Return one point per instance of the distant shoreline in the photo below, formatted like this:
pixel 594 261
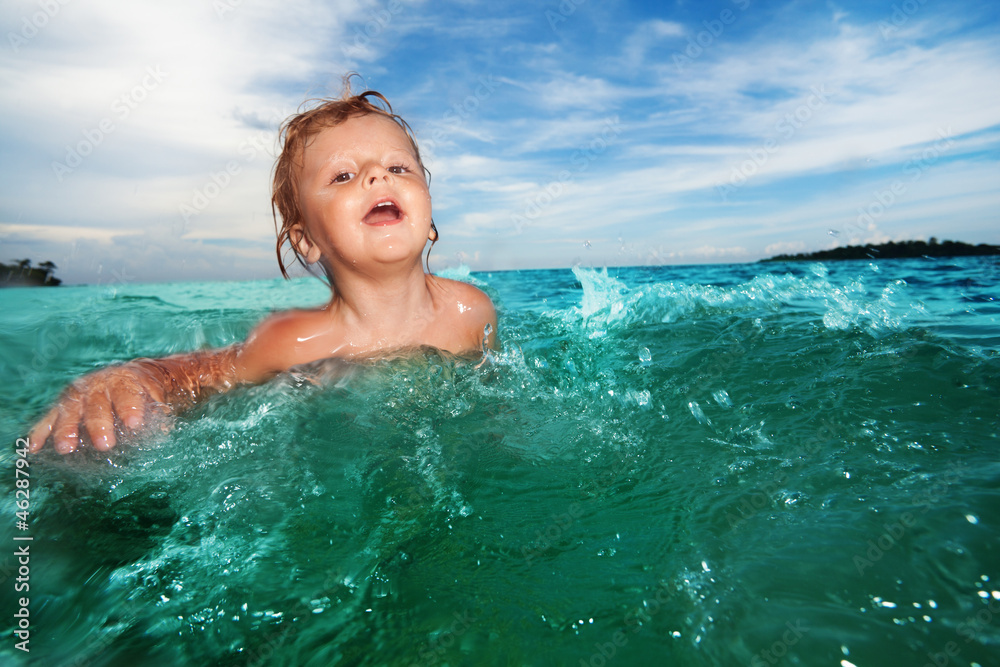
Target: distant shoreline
pixel 25 275
pixel 893 250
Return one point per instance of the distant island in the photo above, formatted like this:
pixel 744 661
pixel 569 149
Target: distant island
pixel 894 250
pixel 22 274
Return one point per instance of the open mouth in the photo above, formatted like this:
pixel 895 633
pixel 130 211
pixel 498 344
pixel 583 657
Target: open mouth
pixel 383 213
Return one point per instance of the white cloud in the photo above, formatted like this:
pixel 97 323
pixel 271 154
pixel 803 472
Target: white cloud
pixel 785 248
pixel 646 36
pixel 818 118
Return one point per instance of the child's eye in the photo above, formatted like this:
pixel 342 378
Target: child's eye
pixel 398 169
pixel 342 177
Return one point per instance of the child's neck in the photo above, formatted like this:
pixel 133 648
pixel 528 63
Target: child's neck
pixel 386 305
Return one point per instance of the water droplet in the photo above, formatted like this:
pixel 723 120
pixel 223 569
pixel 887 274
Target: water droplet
pixel 487 330
pixel 644 355
pixel 697 412
pixel 722 398
pixel 834 233
pixel 586 244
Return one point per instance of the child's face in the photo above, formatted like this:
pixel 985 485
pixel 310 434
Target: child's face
pixel 363 196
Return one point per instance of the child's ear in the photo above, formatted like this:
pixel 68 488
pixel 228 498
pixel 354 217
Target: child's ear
pixel 305 247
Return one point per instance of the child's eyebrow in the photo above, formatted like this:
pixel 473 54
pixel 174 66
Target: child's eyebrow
pixel 403 151
pixel 334 161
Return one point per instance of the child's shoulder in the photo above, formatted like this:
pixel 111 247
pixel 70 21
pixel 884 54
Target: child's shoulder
pixel 292 324
pixel 463 295
pixel 282 340
pixel 457 286
pixel 469 310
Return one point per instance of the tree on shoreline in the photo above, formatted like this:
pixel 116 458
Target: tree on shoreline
pixel 893 250
pixel 49 268
pixel 20 273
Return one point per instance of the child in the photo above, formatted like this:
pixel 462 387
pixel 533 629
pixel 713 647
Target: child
pixel 353 197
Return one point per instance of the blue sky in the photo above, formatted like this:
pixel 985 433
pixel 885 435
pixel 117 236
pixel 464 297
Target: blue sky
pixel 138 138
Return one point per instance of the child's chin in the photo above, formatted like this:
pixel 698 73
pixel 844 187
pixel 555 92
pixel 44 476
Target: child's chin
pixel 398 249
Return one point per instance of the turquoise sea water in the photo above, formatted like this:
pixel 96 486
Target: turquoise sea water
pixel 719 465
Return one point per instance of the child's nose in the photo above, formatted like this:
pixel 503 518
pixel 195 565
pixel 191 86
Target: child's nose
pixel 376 172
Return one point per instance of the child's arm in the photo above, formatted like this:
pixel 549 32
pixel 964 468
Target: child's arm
pixel 129 394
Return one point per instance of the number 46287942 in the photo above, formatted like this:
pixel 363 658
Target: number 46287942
pixel 22 479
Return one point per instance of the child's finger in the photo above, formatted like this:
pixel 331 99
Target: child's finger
pixel 66 430
pixel 99 421
pixel 40 433
pixel 129 402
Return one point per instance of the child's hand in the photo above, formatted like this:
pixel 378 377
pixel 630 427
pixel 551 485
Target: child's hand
pixel 90 408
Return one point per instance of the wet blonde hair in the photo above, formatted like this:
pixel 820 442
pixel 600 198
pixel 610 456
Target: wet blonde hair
pixel 293 137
